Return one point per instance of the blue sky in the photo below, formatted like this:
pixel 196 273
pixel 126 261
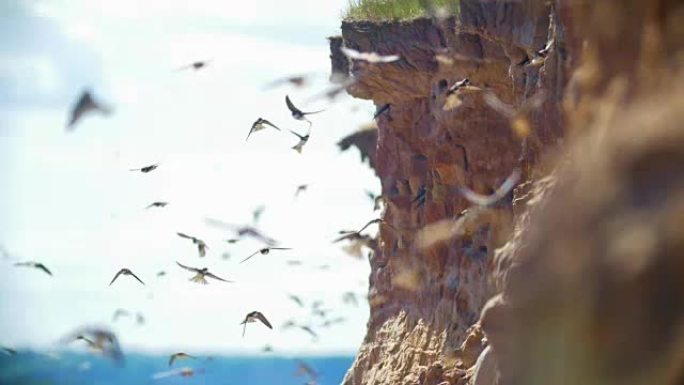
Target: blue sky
pixel 68 199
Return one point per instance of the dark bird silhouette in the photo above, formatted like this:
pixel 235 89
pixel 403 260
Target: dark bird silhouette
pixel 375 198
pixel 296 81
pixel 260 124
pixel 297 113
pixel 382 110
pixel 302 141
pixel 125 271
pixel 256 214
pixel 120 313
pixel 35 265
pixel 353 235
pixel 139 318
pixel 196 65
pixel 161 273
pixel 85 105
pixel 98 339
pixel 309 330
pixel 300 189
pixel 254 317
pixel 200 274
pixel 265 251
pixel 370 57
pixel 233 241
pixel 157 204
pixel 146 169
pixel 486 200
pixel 180 356
pixel 419 200
pixel 201 245
pixel 333 321
pixel 242 231
pixel 296 300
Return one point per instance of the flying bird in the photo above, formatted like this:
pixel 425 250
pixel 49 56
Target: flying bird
pixel 180 356
pixel 382 110
pixel 302 141
pixel 463 85
pixel 242 231
pixel 265 251
pixel 296 299
pixel 254 317
pixel 300 189
pixel 540 56
pixel 356 235
pixel 35 265
pixel 139 318
pixel 296 80
pixel 125 271
pixel 157 204
pixel 370 57
pixel 486 200
pixel 333 321
pixel 201 245
pixel 310 331
pixel 260 124
pixel 420 196
pixel 146 169
pixel 120 313
pixel 85 105
pixel 161 273
pixel 517 117
pixel 200 274
pixel 196 65
pixel 377 199
pixel 303 369
pixel 297 113
pixel 256 214
pixel 98 339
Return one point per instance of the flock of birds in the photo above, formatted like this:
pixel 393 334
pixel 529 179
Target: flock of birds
pixel 105 342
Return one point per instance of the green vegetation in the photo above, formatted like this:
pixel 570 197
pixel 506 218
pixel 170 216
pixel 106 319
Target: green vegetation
pixel 382 10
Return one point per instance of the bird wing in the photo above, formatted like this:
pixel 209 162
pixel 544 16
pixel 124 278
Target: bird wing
pixel 264 121
pixel 280 248
pixel 291 106
pixel 486 200
pixel 382 109
pixel 372 221
pixel 297 300
pixel 45 269
pixel 182 235
pixel 216 277
pixel 263 320
pixel 116 276
pixel 193 269
pixel 23 264
pixel 301 137
pixel 172 359
pixel 251 255
pixel 136 277
pixel 202 248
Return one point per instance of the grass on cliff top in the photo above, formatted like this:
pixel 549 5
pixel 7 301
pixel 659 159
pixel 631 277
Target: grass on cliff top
pixel 384 10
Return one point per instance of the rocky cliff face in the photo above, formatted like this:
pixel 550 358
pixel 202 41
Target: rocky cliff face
pixel 532 253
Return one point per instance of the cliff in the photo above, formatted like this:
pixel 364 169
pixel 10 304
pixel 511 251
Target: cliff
pixel 575 276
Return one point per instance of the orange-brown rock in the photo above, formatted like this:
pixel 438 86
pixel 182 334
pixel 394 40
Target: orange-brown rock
pixel 574 277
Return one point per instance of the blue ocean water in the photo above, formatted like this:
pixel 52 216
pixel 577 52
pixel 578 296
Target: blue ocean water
pixel 80 369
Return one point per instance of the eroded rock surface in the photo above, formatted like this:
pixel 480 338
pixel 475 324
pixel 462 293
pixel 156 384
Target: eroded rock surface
pixel 580 267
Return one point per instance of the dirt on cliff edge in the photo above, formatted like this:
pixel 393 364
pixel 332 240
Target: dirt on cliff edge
pixel 582 263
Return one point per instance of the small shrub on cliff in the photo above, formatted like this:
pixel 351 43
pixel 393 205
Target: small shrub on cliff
pixel 382 10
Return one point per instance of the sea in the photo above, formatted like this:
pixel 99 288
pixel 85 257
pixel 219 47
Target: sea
pixel 80 369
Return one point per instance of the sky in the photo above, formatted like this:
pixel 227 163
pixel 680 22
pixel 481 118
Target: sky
pixel 68 199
